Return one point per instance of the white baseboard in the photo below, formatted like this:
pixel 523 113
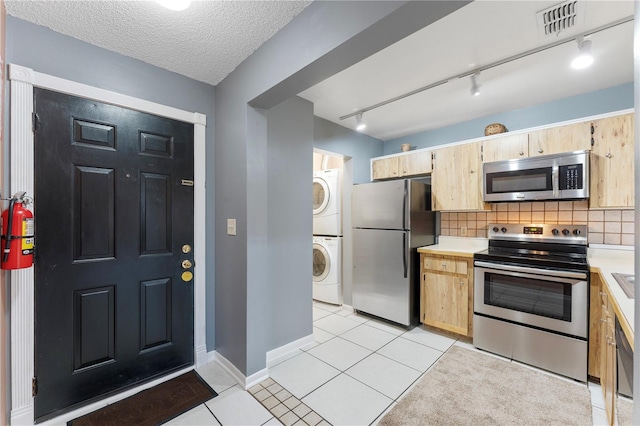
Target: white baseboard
pixel 348 308
pixel 201 357
pixel 283 352
pixel 227 366
pixel 256 378
pixel 22 416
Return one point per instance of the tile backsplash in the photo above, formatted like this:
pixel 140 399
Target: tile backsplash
pixel 604 226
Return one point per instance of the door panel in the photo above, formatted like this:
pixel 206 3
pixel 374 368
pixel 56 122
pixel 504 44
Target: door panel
pixel 381 275
pixel 111 309
pixel 379 205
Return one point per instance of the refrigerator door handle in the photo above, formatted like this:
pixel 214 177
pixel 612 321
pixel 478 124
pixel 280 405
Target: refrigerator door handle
pixel 404 207
pixel 404 252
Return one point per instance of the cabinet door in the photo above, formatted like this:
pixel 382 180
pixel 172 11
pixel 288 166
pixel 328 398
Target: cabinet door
pixel 385 168
pixel 572 137
pixel 446 302
pixel 595 335
pixel 505 148
pixel 612 162
pixel 456 181
pixel 417 163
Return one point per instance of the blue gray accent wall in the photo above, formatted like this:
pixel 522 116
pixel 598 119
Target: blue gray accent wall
pixel 599 102
pixel 332 137
pixel 62 56
pixel 322 40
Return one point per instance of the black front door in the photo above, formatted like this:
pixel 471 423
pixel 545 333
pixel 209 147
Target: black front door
pixel 114 222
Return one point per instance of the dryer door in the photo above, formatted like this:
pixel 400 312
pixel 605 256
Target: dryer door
pixel 321 263
pixel 320 195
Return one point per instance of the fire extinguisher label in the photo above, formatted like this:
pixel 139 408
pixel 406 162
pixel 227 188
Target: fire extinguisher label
pixel 27 235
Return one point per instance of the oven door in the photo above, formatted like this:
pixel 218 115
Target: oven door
pixel 545 299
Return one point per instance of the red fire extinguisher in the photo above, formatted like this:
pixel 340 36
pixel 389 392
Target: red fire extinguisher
pixel 17 234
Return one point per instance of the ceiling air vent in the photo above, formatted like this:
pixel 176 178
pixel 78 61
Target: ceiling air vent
pixel 562 17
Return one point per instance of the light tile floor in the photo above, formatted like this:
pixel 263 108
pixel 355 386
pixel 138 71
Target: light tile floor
pixel 355 371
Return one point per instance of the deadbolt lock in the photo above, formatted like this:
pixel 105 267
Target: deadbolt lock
pixel 186 264
pixel 186 248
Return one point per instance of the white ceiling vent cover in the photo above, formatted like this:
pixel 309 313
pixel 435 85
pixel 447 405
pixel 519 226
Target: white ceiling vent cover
pixel 562 17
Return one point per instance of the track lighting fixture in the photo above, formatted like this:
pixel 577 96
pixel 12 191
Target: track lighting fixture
pixel 475 86
pixel 584 58
pixel 360 125
pixel 582 61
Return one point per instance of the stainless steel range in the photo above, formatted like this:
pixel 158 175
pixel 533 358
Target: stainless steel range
pixel 531 296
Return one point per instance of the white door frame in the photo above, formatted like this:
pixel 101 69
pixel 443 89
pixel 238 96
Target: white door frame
pixel 23 80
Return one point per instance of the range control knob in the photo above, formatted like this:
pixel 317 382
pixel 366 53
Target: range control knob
pixel 495 229
pixel 565 232
pixel 576 232
pixel 554 231
pixel 504 229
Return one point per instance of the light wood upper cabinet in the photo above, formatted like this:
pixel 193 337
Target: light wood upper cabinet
pixel 572 137
pixel 456 180
pixel 418 163
pixel 384 168
pixel 446 299
pixel 413 164
pixel 612 155
pixel 505 148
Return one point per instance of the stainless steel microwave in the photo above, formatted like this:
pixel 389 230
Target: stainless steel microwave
pixel 562 176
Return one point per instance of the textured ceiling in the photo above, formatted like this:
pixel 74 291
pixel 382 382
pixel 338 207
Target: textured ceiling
pixel 205 42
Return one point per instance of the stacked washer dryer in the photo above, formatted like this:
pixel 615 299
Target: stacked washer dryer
pixel 327 236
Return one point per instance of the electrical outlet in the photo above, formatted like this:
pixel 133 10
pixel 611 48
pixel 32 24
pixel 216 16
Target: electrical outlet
pixel 463 231
pixel 231 227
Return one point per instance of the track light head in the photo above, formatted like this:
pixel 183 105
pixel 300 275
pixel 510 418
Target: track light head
pixel 584 58
pixel 475 85
pixel 360 125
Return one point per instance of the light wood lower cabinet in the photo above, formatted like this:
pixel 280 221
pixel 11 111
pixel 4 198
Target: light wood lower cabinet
pixel 446 293
pixel 608 361
pixel 595 316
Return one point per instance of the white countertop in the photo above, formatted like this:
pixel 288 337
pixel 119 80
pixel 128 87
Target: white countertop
pixel 609 260
pixel 456 246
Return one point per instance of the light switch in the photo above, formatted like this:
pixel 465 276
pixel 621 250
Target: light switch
pixel 231 227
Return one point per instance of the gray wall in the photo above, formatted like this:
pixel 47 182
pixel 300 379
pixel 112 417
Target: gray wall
pixel 598 102
pixel 332 137
pixel 290 143
pixel 52 53
pixel 325 38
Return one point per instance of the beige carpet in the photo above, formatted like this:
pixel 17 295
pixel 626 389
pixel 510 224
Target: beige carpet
pixel 625 411
pixel 466 387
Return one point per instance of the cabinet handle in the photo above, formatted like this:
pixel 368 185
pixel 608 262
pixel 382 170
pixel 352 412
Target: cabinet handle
pixel 472 171
pixel 540 150
pixel 444 265
pixel 461 283
pixel 603 320
pixel 521 153
pixel 608 155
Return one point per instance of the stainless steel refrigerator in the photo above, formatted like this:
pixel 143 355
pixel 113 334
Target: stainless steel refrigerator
pixel 390 221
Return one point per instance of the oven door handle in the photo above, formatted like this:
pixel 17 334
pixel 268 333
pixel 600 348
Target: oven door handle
pixel 511 268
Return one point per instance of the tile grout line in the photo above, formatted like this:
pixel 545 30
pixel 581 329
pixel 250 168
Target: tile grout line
pixel 298 418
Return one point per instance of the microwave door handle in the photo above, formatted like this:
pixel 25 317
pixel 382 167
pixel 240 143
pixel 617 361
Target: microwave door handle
pixel 555 180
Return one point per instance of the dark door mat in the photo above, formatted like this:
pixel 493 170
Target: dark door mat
pixel 153 406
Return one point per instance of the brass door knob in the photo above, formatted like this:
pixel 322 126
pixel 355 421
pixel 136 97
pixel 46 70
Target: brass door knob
pixel 186 264
pixel 186 248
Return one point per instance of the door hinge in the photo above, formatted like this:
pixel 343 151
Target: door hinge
pixel 34 122
pixel 34 386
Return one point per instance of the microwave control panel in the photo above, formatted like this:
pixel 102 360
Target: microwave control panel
pixel 571 176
